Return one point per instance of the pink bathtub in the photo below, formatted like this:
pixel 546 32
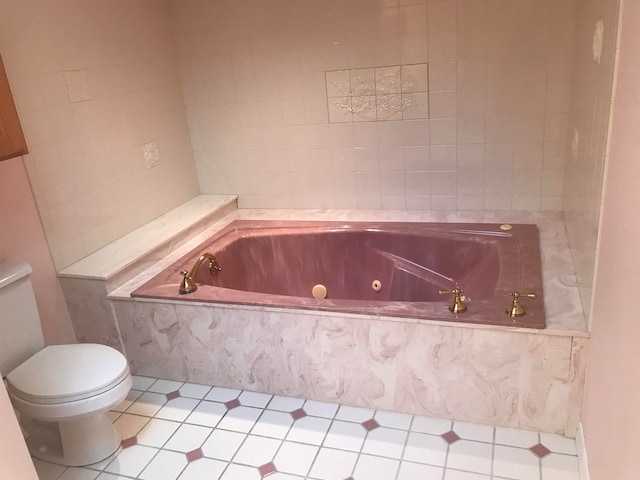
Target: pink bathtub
pixel 382 269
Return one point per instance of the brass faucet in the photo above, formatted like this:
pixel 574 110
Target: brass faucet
pixel 516 310
pixel 188 284
pixel 457 306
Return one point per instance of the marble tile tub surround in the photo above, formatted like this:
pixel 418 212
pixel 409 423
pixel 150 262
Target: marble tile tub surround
pixel 183 431
pixel 86 283
pixel 535 379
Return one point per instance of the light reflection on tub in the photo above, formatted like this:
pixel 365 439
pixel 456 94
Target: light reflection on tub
pixel 277 264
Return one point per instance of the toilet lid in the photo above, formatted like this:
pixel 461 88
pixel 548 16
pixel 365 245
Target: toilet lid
pixel 63 373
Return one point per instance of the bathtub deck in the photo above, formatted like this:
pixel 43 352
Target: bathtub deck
pixel 175 430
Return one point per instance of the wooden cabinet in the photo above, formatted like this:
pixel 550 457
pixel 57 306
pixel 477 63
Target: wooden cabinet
pixel 12 143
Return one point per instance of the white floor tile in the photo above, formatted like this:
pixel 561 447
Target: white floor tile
pixel 424 448
pixel 177 409
pixel 207 413
pixel 132 396
pixel 103 463
pixel 295 458
pixel 129 425
pixel 111 476
pixel 354 414
pixel 222 444
pixel 512 462
pixel 142 383
pixel 78 473
pixel 252 399
pixel 346 436
pixel 147 404
pixel 369 466
pixel 459 475
pixel 131 461
pixel 285 404
pixel 194 390
pixel 434 426
pixel 393 420
pixel 240 472
pixel 516 438
pixel 472 456
pixel 559 444
pixel 220 394
pixel 284 476
pixel 333 464
pixel 203 468
pixel 556 466
pixel 157 432
pixel 385 442
pixel 257 451
pixel 414 471
pixel 164 386
pixel 188 437
pixel 309 430
pixel 48 471
pixel 113 415
pixel 164 466
pixel 273 424
pixel 474 431
pixel 320 409
pixel 240 419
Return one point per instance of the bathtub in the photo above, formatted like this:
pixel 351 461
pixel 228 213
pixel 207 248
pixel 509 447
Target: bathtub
pixel 375 269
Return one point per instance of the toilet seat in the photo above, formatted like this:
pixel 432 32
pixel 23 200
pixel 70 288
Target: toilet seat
pixel 68 373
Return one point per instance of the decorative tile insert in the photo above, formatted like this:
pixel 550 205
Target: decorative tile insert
pixel 231 404
pixel 129 442
pixel 194 455
pixel 370 425
pixel 298 414
pixel 450 437
pixel 540 450
pixel 172 395
pixel 267 469
pixel 377 94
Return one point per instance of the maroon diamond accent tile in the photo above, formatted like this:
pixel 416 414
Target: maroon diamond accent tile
pixel 370 425
pixel 267 469
pixel 129 442
pixel 194 455
pixel 231 404
pixel 298 414
pixel 540 450
pixel 172 395
pixel 450 437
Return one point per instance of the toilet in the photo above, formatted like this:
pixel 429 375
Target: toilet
pixel 63 393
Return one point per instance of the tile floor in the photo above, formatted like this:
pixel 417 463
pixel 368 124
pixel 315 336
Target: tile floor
pixel 173 430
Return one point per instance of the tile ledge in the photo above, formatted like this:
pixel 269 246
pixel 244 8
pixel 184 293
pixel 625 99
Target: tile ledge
pixel 180 223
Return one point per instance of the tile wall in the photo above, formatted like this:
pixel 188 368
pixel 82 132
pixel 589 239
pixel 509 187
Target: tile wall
pixel 591 88
pixel 255 73
pixel 98 92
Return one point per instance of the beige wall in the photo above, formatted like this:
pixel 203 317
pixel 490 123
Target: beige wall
pixel 22 239
pixel 253 75
pixel 93 83
pixel 611 421
pixel 591 87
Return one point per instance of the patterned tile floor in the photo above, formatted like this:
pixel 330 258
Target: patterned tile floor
pixel 174 430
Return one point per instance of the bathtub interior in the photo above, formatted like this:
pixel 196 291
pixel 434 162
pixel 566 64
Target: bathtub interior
pixel 409 267
pixel 277 264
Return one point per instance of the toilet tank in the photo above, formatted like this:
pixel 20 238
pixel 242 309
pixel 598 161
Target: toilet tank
pixel 20 329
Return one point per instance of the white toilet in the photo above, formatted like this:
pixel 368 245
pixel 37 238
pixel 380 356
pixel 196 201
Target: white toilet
pixel 63 392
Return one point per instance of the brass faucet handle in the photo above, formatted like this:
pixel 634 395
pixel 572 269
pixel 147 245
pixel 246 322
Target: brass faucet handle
pixel 214 268
pixel 518 295
pixel 516 310
pixel 457 306
pixel 187 285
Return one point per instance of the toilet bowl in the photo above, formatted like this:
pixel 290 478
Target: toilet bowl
pixel 63 393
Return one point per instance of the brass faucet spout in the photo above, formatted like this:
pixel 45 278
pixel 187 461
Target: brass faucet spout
pixel 188 283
